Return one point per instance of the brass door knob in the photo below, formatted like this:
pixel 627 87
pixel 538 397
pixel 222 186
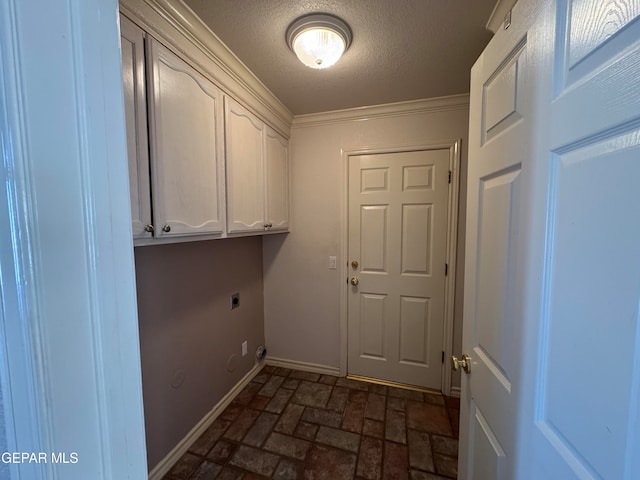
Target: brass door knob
pixel 464 363
pixel 354 264
pixel 354 281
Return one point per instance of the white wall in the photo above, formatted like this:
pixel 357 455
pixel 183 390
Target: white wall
pixel 302 296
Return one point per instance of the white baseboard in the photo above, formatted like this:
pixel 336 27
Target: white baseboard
pixel 455 392
pixel 307 367
pixel 161 469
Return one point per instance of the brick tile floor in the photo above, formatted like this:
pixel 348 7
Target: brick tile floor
pixel 290 425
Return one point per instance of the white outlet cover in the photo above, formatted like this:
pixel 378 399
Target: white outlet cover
pixel 332 262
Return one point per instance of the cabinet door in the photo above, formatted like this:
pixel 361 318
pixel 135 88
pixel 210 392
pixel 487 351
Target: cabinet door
pixel 277 181
pixel 135 108
pixel 245 164
pixel 186 147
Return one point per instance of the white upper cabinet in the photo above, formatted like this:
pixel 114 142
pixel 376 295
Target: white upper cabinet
pixel 277 181
pixel 245 169
pixel 208 154
pixel 257 173
pixel 186 138
pixel 135 107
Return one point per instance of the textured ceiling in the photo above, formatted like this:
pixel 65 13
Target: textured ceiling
pixel 401 50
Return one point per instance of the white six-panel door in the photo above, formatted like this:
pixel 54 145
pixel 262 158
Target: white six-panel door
pixel 585 410
pixel 552 285
pixel 499 167
pixel 397 235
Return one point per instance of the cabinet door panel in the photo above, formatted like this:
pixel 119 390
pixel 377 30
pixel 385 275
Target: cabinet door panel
pixel 277 184
pixel 245 164
pixel 135 107
pixel 186 141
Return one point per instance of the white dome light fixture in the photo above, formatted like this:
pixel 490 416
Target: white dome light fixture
pixel 319 39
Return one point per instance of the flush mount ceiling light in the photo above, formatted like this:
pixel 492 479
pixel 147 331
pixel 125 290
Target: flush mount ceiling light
pixel 319 40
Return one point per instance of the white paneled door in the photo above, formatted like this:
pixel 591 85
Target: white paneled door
pixel 586 420
pixel 552 278
pixel 397 253
pixel 499 160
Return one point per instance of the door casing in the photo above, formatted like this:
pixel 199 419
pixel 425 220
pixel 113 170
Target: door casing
pixel 452 235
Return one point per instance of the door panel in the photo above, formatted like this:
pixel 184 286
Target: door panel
pixel 372 326
pixel 373 238
pixel 415 319
pixel 417 178
pixel 594 23
pixel 496 214
pixel 397 232
pixel 591 275
pixel 417 242
pixel 582 319
pixel 489 457
pixel 500 104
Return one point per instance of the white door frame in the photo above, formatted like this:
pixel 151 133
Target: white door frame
pixel 452 236
pixel 69 350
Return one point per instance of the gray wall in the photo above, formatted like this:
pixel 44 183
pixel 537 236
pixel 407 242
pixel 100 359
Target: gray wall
pixel 187 327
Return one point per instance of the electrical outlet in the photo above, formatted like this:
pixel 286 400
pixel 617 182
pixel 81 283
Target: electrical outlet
pixel 244 348
pixel 235 300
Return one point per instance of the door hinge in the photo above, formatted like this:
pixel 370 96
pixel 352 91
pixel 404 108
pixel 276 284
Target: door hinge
pixel 446 269
pixel 449 176
pixel 443 356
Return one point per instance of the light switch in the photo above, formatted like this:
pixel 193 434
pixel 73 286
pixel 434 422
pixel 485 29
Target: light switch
pixel 332 263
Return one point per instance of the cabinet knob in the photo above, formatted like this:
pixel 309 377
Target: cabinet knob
pixel 166 228
pixel 267 226
pixel 149 228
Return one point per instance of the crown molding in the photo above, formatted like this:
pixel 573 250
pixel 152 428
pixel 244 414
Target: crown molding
pixel 412 107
